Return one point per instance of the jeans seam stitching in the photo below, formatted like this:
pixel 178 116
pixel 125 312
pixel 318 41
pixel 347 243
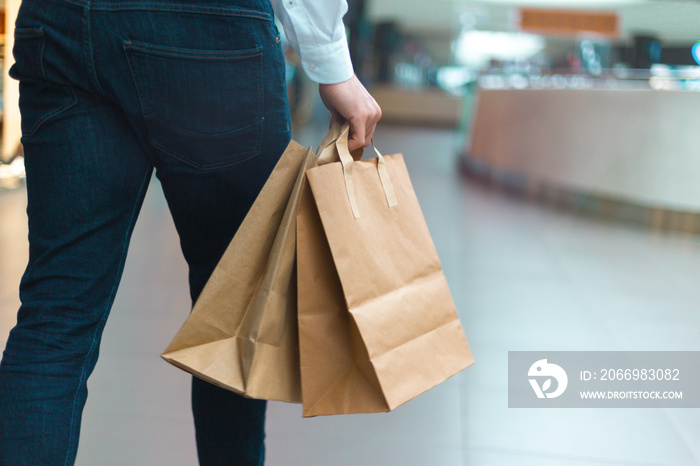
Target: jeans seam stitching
pixel 75 2
pixel 41 53
pixel 184 8
pixel 195 54
pixel 110 301
pixel 89 53
pixel 219 134
pixel 45 118
pixel 136 75
pixel 209 166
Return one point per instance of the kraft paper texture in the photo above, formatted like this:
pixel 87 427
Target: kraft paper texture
pixel 377 323
pixel 242 332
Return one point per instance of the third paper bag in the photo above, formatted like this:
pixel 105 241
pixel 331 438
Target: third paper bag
pixel 377 324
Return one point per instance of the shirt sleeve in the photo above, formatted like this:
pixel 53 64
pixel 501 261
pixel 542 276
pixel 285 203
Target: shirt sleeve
pixel 316 31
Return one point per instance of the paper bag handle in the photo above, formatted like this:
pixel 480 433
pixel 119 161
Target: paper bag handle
pixel 391 198
pixel 328 150
pixel 347 161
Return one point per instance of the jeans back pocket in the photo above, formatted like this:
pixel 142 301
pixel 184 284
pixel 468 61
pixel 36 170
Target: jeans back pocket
pixel 202 107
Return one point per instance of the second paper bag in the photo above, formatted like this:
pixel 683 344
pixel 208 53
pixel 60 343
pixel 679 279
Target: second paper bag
pixel 377 324
pixel 241 334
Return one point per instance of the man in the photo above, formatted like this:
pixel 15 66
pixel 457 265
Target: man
pixel 111 90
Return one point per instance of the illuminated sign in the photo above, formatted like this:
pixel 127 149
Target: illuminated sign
pixel 569 23
pixel 696 52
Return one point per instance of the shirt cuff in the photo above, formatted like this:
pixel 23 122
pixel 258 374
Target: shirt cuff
pixel 329 63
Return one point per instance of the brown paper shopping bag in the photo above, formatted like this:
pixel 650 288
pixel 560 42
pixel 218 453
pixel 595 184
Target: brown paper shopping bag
pixel 242 332
pixel 377 324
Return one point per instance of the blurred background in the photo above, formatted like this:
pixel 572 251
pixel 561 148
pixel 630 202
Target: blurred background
pixel 554 148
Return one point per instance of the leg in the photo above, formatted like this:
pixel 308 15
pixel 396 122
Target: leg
pixel 227 426
pixel 211 98
pixel 86 178
pixel 207 207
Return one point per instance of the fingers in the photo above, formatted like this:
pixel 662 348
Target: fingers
pixel 362 129
pixel 356 137
pixel 372 125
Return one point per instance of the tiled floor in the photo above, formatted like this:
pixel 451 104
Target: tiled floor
pixel 524 277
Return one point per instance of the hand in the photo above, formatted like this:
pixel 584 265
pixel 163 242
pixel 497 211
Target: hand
pixel 350 101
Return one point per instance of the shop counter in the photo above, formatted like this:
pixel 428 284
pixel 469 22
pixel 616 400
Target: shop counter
pixel 635 146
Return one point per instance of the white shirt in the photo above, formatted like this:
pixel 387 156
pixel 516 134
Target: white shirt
pixel 316 31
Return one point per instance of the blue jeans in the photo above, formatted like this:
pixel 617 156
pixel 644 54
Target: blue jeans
pixel 109 91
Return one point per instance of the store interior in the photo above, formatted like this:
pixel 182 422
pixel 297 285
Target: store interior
pixel 555 160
